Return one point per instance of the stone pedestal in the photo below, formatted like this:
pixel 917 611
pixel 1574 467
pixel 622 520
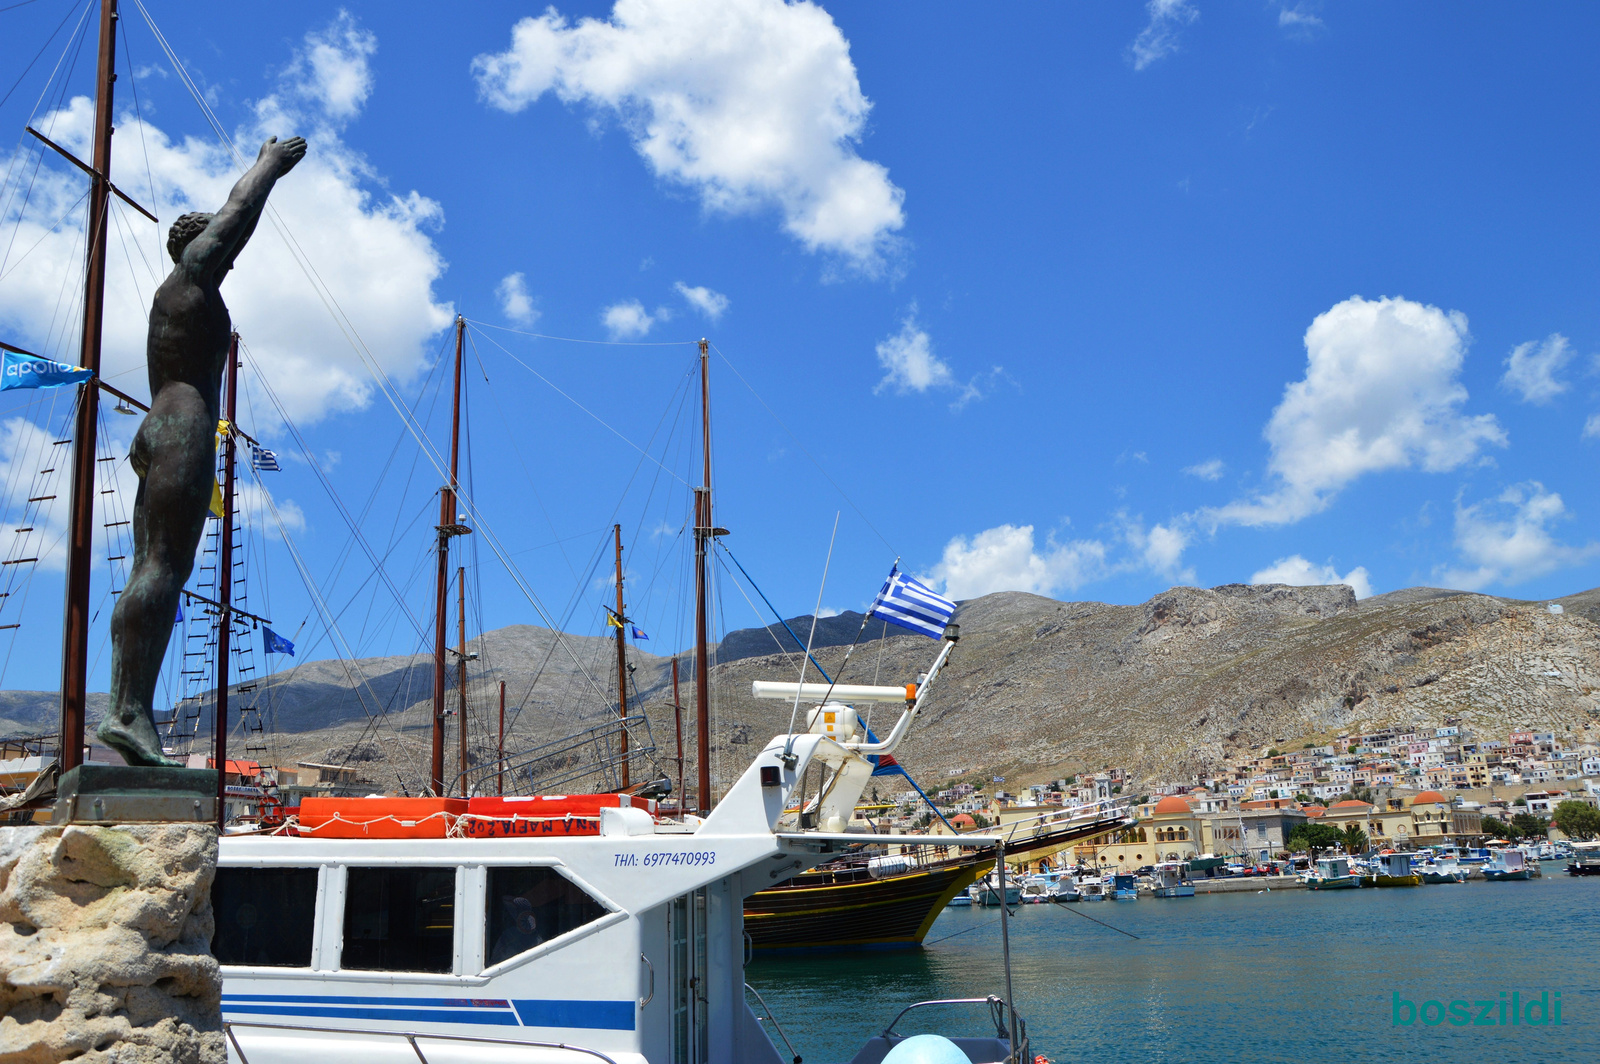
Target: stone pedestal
pixel 105 945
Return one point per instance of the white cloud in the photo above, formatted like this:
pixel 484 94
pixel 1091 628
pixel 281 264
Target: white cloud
pixel 1210 469
pixel 1299 20
pixel 1159 38
pixel 1004 559
pixel 1381 392
pixel 1591 428
pixel 1297 572
pixel 827 611
pixel 331 71
pixel 515 302
pixel 627 320
pixel 751 103
pixel 1532 369
pixel 371 249
pixel 1507 540
pixel 712 304
pixel 908 356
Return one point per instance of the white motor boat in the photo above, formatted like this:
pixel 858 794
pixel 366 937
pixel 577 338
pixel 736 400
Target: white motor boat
pixel 1171 880
pixel 619 940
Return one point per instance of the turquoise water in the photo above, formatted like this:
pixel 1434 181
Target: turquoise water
pixel 1289 975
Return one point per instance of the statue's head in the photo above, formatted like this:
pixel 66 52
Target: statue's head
pixel 184 230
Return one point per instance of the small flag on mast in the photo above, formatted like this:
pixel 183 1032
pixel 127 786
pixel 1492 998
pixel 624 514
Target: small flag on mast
pixel 263 460
pixel 913 605
pixel 638 633
pixel 275 643
pixel 31 371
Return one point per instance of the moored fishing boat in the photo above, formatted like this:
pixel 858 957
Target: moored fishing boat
pixel 1506 865
pixel 1172 880
pixel 1442 870
pixel 1124 887
pixel 1585 859
pixel 1333 873
pixel 1392 870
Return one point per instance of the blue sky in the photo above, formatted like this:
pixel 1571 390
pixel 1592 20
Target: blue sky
pixel 1086 300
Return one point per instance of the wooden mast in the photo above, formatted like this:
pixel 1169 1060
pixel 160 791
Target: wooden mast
pixel 461 677
pixel 702 536
pixel 677 714
pixel 80 523
pixel 225 582
pixel 448 527
pixel 619 619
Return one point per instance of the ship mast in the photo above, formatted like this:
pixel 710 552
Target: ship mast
pixel 461 677
pixel 619 620
pixel 448 528
pixel 80 523
pixel 225 583
pixel 703 533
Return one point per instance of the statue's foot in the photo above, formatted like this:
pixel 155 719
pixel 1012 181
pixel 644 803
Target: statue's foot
pixel 135 740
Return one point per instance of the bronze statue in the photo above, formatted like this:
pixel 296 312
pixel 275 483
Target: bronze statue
pixel 174 451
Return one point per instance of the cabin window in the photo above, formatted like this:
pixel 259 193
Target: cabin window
pixel 264 916
pixel 399 919
pixel 529 906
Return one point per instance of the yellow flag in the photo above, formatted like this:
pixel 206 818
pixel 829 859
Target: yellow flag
pixel 216 488
pixel 611 619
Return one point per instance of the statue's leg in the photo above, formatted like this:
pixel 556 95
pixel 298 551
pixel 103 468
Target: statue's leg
pixel 168 520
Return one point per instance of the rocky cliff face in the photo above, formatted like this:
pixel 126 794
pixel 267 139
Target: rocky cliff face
pixel 105 945
pixel 1170 687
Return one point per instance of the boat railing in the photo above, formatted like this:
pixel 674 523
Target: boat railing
pixel 775 1024
pixel 997 1016
pixel 409 1037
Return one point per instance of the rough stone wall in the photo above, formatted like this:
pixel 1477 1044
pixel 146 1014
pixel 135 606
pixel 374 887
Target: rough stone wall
pixel 105 945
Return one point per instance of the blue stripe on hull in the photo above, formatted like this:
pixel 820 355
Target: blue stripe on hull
pixel 349 1012
pixel 593 1015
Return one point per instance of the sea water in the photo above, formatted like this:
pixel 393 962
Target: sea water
pixel 1416 974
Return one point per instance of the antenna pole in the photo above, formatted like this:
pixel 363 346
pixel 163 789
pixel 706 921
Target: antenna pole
pixel 622 660
pixel 225 583
pixel 80 523
pixel 447 528
pixel 501 787
pixel 702 536
pixel 461 675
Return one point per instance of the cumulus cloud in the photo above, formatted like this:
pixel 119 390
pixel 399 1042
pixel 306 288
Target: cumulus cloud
pixel 1159 38
pixel 909 359
pixel 628 320
pixel 371 249
pixel 1591 428
pixel 1005 559
pixel 1533 369
pixel 712 304
pixel 1381 392
pixel 515 302
pixel 1297 572
pixel 1210 469
pixel 753 104
pixel 1507 540
pixel 331 70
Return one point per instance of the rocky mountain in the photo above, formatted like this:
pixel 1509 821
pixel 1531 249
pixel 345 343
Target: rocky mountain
pixel 1036 688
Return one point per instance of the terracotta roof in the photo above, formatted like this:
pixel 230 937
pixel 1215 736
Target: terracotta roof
pixel 1430 798
pixel 1171 804
pixel 962 818
pixel 1351 804
pixel 1314 811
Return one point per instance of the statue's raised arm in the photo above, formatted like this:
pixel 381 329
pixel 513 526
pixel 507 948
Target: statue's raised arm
pixel 211 253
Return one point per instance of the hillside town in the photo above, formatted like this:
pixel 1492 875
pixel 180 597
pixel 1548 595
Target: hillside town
pixel 1402 787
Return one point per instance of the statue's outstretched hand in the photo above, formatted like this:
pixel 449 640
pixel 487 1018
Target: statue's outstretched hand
pixel 287 152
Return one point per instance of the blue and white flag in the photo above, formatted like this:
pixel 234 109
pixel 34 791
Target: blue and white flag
pixel 912 604
pixel 275 643
pixel 31 371
pixel 263 460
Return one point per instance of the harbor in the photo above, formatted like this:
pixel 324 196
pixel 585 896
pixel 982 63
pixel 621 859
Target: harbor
pixel 1242 977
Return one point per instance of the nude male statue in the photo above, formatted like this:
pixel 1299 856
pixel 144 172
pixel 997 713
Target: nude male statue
pixel 174 451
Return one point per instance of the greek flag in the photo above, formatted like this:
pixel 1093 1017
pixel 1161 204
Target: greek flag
pixel 263 460
pixel 912 605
